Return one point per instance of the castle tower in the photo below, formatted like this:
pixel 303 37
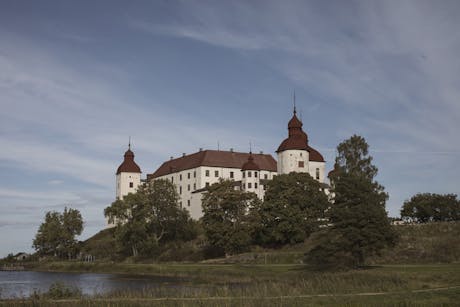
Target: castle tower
pixel 250 181
pixel 128 175
pixel 293 155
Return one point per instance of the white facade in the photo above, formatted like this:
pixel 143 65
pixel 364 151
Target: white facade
pixel 317 170
pixel 293 161
pixel 127 183
pixel 189 181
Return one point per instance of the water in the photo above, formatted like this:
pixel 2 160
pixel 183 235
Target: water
pixel 24 283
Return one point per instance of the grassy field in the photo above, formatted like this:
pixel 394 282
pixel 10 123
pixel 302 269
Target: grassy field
pixel 422 270
pixel 276 285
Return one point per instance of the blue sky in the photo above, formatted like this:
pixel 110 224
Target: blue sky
pixel 77 78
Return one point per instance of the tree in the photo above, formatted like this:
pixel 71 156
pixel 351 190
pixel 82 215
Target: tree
pixel 293 208
pixel 56 235
pixel 359 223
pixel 226 219
pixel 427 207
pixel 150 217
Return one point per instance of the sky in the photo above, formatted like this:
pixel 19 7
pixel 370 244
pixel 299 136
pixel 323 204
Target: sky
pixel 78 78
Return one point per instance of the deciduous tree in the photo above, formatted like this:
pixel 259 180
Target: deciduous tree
pixel 56 235
pixel 293 208
pixel 226 217
pixel 150 217
pixel 427 207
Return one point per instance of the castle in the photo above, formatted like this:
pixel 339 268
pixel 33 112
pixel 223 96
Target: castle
pixel 193 173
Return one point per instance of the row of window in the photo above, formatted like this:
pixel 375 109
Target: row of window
pixel 250 185
pixel 188 188
pixel 216 174
pixel 188 203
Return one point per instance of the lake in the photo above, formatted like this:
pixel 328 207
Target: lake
pixel 23 283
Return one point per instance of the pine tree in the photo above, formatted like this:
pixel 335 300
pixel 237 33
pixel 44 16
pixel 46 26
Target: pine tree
pixel 359 223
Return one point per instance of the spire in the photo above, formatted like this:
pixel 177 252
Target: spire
pixel 128 165
pixel 295 111
pixel 250 164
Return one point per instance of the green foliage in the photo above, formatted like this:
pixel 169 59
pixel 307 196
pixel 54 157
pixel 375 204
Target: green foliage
pixel 56 235
pixel 427 207
pixel 293 208
pixel 149 218
pixel 359 223
pixel 225 220
pixel 58 291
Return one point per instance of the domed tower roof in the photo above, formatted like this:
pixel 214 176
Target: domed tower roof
pixel 297 138
pixel 128 165
pixel 250 165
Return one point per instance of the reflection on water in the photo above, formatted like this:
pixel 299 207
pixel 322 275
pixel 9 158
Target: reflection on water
pixel 24 283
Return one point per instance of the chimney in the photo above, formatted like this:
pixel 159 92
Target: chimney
pixel 201 149
pixel 231 149
pixel 170 158
pixel 183 154
pixel 261 152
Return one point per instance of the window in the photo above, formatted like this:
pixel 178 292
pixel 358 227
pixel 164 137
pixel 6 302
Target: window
pixel 194 174
pixel 301 164
pixel 249 174
pixel 255 185
pixel 188 175
pixel 216 173
pixel 231 175
pixel 265 187
pixel 317 173
pixel 244 174
pixel 249 185
pixel 244 186
pixel 301 154
pixel 188 187
pixel 255 174
pixel 265 176
pixel 207 184
pixel 131 185
pixel 180 204
pixel 172 179
pixel 180 177
pixel 207 173
pixel 194 186
pixel 188 202
pixel 180 189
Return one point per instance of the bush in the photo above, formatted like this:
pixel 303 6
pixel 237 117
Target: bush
pixel 58 290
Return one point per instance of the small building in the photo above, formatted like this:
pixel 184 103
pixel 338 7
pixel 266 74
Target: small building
pixel 21 256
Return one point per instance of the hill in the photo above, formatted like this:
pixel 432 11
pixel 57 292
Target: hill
pixel 419 243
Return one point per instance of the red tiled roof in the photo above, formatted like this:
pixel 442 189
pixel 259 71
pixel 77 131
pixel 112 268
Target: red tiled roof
pixel 250 164
pixel 214 158
pixel 314 155
pixel 293 142
pixel 298 140
pixel 128 165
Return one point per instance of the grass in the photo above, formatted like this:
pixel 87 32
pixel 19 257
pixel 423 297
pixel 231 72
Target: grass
pixel 279 285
